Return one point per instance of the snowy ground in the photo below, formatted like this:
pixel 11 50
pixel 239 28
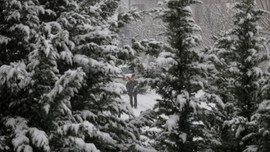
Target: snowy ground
pixel 145 101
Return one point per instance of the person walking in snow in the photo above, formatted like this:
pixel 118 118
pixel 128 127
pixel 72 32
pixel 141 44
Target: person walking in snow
pixel 132 91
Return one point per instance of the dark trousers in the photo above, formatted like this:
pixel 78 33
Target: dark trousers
pixel 133 104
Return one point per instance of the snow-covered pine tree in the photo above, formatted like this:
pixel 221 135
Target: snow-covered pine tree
pixel 220 84
pixel 56 88
pixel 240 82
pixel 98 53
pixel 18 21
pixel 178 72
pixel 263 114
pixel 19 27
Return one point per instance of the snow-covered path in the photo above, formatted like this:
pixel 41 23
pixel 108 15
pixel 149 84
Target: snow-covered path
pixel 148 100
pixel 145 101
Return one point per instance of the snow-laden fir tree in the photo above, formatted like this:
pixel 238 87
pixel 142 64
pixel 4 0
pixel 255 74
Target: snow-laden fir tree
pixel 17 24
pixel 220 84
pixel 241 82
pixel 56 88
pixel 263 114
pixel 178 70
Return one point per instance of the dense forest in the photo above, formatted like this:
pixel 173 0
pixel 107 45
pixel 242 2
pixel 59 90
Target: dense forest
pixel 57 92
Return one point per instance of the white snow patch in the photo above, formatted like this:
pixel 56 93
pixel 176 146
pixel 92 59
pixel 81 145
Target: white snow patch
pixel 87 147
pixel 19 140
pixel 251 148
pixel 39 138
pixel 197 139
pixel 183 136
pixel 145 101
pixel 4 39
pixel 182 101
pixel 199 94
pixel 171 123
pixel 265 105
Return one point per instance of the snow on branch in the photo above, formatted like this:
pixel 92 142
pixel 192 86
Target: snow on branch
pixel 25 137
pixel 172 122
pixel 95 65
pixel 82 146
pixel 97 34
pixel 14 74
pixel 216 100
pixel 39 138
pixel 23 28
pixel 4 39
pixel 182 100
pixel 264 106
pixel 251 148
pixel 65 88
pixel 84 115
pixel 80 130
pixel 166 60
pixel 68 84
pixel 44 51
